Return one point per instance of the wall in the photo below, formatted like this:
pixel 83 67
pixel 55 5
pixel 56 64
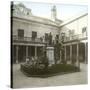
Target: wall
pixel 30 26
pixel 76 25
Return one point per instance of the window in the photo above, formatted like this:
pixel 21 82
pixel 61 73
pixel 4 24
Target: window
pixel 27 13
pixel 57 36
pixel 84 29
pixel 20 33
pixel 46 36
pixel 71 32
pixel 34 34
pixel 62 34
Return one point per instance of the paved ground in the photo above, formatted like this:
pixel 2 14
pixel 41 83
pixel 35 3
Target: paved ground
pixel 22 81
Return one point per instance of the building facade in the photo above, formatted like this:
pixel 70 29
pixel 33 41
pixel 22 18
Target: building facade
pixel 75 36
pixel 30 34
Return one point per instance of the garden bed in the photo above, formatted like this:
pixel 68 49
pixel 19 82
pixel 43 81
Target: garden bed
pixel 56 69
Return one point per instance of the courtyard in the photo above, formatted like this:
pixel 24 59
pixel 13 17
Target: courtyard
pixel 22 81
pixel 44 43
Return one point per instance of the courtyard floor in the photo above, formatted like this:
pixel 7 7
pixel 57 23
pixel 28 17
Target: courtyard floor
pixel 22 81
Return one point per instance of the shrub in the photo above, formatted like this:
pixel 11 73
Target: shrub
pixel 54 69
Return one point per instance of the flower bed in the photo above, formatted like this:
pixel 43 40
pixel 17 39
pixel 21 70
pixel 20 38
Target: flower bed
pixel 49 71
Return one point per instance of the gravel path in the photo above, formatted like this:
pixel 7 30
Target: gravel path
pixel 22 81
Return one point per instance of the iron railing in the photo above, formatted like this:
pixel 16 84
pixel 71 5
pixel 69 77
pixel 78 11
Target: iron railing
pixel 75 37
pixel 28 39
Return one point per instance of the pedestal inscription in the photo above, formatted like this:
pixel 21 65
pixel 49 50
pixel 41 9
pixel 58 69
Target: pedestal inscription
pixel 50 55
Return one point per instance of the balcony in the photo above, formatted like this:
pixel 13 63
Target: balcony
pixel 28 40
pixel 75 37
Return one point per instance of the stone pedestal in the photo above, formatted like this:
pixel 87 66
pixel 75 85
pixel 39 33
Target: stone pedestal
pixel 50 55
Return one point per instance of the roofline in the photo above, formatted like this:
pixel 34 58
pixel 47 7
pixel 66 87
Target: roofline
pixel 44 18
pixel 65 23
pixel 35 21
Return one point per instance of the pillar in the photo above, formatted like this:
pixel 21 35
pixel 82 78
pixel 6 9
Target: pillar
pixel 17 48
pixel 70 53
pixel 77 53
pixel 77 61
pixel 35 51
pixel 85 53
pixel 26 51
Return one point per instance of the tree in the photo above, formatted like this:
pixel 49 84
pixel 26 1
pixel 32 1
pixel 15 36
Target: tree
pixel 58 47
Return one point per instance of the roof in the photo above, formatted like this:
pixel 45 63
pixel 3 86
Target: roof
pixel 21 13
pixel 37 19
pixel 73 19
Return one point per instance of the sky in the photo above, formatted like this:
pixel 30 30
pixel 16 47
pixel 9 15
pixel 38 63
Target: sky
pixel 64 11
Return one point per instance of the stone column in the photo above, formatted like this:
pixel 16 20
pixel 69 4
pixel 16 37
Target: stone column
pixel 26 51
pixel 77 53
pixel 70 53
pixel 77 61
pixel 85 53
pixel 35 51
pixel 17 48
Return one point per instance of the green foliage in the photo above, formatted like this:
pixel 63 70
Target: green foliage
pixel 58 47
pixel 36 65
pixel 54 69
